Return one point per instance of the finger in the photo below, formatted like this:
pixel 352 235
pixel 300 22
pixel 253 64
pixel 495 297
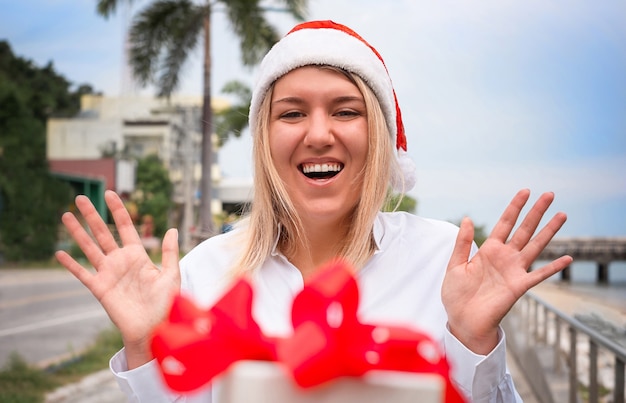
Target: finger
pixel 532 250
pixel 527 228
pixel 97 226
pixel 507 220
pixel 84 241
pixel 124 224
pixel 82 274
pixel 170 254
pixel 537 276
pixel 463 244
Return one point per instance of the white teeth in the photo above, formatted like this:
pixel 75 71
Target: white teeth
pixel 309 168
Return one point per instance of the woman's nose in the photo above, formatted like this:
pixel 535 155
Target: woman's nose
pixel 320 130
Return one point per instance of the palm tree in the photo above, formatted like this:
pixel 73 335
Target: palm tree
pixel 165 32
pixel 231 121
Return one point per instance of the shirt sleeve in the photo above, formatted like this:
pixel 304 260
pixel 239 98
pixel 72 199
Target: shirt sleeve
pixel 481 378
pixel 144 384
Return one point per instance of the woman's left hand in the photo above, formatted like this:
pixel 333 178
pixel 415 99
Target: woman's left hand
pixel 478 293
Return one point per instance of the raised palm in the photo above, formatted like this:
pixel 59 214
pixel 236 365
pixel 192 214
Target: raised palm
pixel 478 292
pixel 135 293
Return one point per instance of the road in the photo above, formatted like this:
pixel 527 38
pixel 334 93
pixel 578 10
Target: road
pixel 46 315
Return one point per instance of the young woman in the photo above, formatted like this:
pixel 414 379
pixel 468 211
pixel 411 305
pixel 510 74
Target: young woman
pixel 328 144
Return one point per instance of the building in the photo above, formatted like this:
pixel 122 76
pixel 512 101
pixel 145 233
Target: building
pixel 97 150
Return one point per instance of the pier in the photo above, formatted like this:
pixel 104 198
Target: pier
pixel 602 251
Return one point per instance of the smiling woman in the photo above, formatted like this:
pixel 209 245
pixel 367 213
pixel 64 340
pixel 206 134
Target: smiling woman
pixel 329 144
pixel 318 119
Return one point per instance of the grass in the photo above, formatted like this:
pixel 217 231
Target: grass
pixel 584 392
pixel 23 383
pixel 51 263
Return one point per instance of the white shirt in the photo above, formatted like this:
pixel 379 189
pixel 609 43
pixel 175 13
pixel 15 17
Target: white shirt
pixel 399 285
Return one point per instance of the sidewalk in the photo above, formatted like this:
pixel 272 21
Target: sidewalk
pixel 99 387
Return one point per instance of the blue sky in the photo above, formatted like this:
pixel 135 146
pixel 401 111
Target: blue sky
pixel 496 95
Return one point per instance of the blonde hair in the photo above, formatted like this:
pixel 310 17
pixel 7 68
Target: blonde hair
pixel 273 214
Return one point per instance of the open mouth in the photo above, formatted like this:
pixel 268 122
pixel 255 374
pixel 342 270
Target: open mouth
pixel 320 171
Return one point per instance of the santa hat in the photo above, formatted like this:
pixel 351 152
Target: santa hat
pixel 332 44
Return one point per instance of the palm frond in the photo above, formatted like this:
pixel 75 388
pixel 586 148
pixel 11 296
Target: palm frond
pixel 185 34
pixel 297 8
pixel 107 8
pixel 238 89
pixel 233 120
pixel 161 37
pixel 256 35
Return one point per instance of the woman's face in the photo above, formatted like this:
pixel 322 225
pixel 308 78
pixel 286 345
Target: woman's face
pixel 318 141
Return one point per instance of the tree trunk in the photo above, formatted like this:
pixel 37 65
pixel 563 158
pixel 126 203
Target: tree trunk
pixel 206 183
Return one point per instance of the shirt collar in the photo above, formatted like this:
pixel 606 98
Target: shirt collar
pixel 275 251
pixel 379 233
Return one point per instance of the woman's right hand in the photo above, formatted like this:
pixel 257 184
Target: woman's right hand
pixel 135 293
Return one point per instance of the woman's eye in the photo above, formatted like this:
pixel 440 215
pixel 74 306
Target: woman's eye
pixel 348 113
pixel 291 115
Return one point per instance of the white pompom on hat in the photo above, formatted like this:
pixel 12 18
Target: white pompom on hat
pixel 332 44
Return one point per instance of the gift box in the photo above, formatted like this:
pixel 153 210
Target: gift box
pixel 268 382
pixel 331 356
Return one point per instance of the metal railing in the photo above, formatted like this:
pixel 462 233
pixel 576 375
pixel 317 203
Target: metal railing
pixel 545 325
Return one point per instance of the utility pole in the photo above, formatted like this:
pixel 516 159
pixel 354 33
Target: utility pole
pixel 188 181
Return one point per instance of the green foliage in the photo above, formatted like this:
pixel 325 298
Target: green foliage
pixel 96 357
pixel 46 93
pixel 399 202
pixel 480 233
pixel 31 200
pixel 22 383
pixel 153 192
pixel 233 120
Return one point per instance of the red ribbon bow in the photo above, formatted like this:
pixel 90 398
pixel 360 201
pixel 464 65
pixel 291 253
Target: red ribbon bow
pixel 193 346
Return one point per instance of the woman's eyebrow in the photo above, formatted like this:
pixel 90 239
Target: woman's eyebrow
pixel 348 98
pixel 338 100
pixel 291 100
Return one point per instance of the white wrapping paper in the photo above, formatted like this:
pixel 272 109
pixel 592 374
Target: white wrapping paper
pixel 266 382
